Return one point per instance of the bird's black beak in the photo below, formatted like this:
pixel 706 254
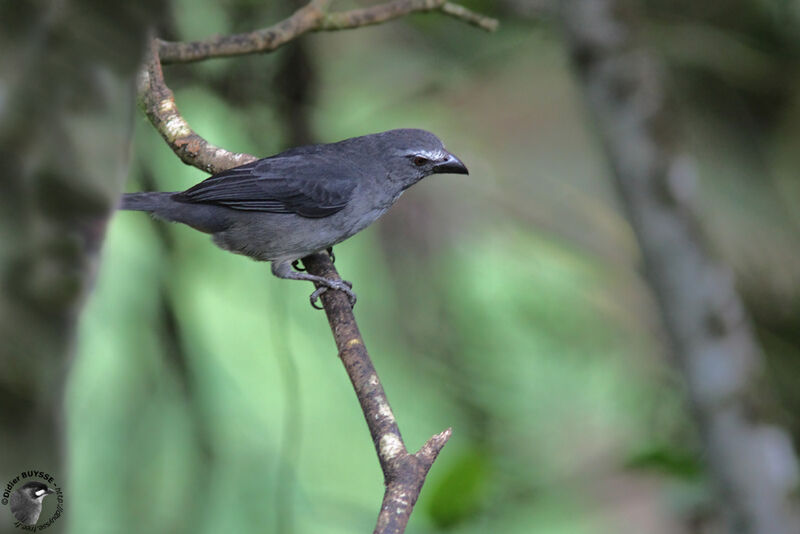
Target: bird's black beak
pixel 450 165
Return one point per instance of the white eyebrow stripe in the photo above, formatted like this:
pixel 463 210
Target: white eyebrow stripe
pixel 431 155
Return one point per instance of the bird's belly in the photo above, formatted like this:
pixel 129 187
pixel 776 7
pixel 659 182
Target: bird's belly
pixel 277 237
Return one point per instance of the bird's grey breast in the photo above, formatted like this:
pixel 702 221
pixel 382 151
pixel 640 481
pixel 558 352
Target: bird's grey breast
pixel 374 196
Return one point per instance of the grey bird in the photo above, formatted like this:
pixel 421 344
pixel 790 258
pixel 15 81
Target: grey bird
pixel 26 502
pixel 304 200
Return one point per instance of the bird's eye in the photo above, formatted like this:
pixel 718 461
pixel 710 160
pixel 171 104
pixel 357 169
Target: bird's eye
pixel 419 161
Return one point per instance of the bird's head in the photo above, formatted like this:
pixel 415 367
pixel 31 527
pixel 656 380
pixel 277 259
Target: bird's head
pixel 412 154
pixel 35 491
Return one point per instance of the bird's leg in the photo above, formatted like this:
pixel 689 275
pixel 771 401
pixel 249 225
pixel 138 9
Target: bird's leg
pixel 284 270
pixel 296 263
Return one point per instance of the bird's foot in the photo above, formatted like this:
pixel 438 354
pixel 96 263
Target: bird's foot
pixel 283 269
pixel 331 254
pixel 339 285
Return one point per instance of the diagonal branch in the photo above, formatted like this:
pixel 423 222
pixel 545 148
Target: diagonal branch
pixel 312 17
pixel 404 473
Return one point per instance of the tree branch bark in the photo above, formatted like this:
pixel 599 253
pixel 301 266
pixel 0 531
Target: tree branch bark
pixel 312 17
pixel 158 103
pixel 404 472
pixel 753 462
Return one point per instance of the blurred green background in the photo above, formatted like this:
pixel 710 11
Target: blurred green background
pixel 206 395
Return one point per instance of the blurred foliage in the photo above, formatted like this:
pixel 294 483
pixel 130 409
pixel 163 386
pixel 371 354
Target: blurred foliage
pixel 507 304
pixel 462 491
pixel 669 460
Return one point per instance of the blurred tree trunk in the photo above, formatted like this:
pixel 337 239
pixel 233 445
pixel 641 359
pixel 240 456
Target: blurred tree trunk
pixel 753 462
pixel 66 110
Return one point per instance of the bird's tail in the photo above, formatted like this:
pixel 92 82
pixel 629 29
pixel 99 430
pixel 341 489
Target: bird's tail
pixel 152 202
pixel 204 217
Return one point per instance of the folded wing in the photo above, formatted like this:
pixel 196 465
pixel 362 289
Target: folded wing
pixel 307 185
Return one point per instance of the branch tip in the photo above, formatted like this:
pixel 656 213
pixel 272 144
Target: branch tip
pixel 431 449
pixel 458 11
pixel 313 17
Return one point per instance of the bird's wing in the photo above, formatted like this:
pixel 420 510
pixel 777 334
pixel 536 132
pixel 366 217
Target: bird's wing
pixel 307 185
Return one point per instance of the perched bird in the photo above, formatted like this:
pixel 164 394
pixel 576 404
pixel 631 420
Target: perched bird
pixel 304 200
pixel 26 502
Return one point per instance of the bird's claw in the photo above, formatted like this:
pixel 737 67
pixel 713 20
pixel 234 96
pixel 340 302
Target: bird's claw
pixel 314 297
pixel 296 266
pixel 340 285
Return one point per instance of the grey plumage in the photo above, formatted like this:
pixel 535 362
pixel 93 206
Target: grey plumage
pixel 303 200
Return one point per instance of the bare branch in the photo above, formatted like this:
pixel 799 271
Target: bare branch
pixel 470 17
pixel 368 16
pixel 403 473
pixel 158 103
pixel 263 40
pixel 312 17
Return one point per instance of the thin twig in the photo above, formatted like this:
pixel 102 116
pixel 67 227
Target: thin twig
pixel 470 17
pixel 312 17
pixel 263 40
